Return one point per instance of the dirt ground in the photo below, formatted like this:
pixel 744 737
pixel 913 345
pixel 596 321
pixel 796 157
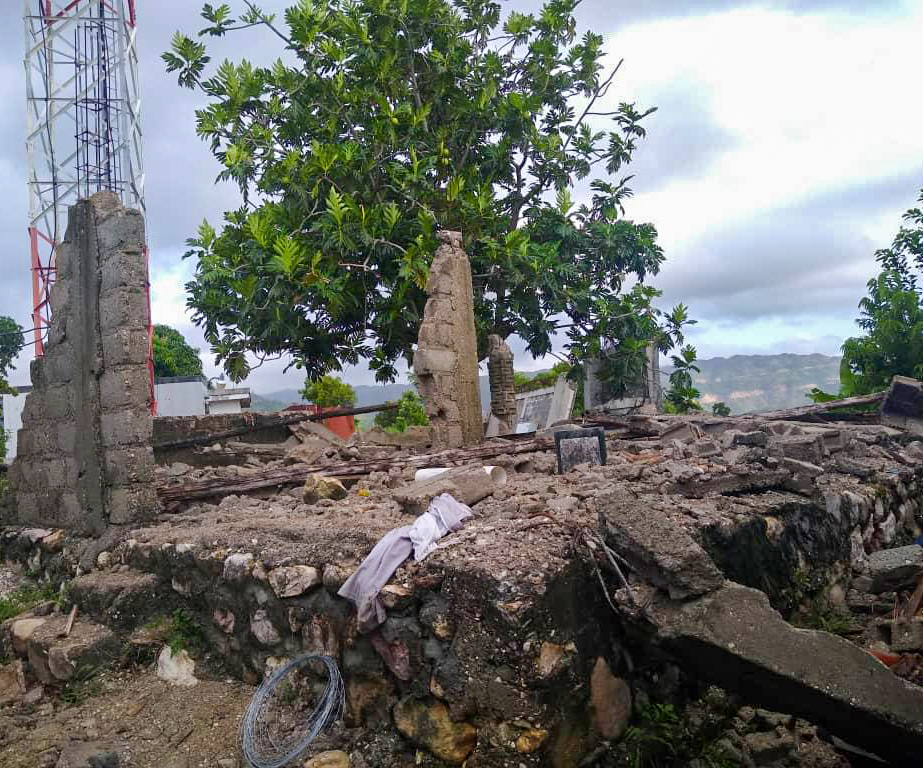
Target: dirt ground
pixel 150 723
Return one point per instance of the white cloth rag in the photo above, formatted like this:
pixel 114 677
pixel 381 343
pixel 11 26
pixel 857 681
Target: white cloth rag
pixel 443 516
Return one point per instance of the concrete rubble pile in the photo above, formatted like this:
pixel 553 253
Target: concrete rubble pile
pixel 690 587
pixel 501 645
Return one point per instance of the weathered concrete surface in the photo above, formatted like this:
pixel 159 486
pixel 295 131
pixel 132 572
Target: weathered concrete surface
pixel 735 639
pixel 656 548
pixel 895 568
pixel 903 405
pixel 502 386
pixel 467 484
pixel 84 459
pixel 445 362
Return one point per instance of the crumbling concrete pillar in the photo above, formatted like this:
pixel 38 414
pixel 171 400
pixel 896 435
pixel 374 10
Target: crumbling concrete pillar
pixel 502 386
pixel 446 362
pixel 84 458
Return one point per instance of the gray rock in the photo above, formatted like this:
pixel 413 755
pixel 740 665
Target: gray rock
pixel 903 405
pixel 656 547
pixel 895 568
pixel 79 754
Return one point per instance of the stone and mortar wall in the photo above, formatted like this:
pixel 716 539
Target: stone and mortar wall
pixel 446 362
pixel 502 383
pixel 85 460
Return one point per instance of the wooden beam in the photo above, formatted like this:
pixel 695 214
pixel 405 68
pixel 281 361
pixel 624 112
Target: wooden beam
pixel 284 420
pixel 818 409
pixel 172 495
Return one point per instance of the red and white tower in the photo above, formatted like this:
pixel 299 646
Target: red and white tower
pixel 83 122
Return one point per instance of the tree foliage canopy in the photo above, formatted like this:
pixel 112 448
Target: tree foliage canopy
pixel 683 397
pixel 172 354
pixel 891 315
pixel 11 341
pixel 383 121
pixel 410 412
pixel 329 392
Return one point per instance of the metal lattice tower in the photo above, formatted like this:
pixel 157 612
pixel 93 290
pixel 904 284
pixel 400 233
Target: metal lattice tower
pixel 83 122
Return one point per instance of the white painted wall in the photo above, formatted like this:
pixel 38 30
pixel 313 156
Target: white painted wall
pixel 216 407
pixel 12 421
pixel 181 398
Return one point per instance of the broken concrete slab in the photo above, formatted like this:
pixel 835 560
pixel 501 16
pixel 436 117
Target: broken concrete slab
pixel 656 548
pixel 469 485
pixel 733 638
pixel 903 405
pixel 895 568
pixel 311 431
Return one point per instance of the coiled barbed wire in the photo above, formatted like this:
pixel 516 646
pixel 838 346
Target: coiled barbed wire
pixel 261 744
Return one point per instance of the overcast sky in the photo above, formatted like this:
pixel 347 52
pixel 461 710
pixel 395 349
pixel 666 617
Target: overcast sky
pixel 787 144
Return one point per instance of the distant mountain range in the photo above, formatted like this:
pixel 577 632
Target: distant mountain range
pixel 765 382
pixel 743 382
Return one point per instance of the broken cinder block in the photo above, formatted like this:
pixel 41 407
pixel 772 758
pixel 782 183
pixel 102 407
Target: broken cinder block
pixel 903 405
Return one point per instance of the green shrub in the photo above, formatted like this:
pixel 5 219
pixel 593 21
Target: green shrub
pixel 410 412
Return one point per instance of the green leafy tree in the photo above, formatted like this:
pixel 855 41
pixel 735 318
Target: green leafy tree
pixel 682 397
pixel 410 412
pixel 172 354
pixel 524 382
pixel 329 392
pixel 385 121
pixel 11 342
pixel 720 409
pixel 891 318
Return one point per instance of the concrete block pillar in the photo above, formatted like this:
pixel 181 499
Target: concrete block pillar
pixel 445 362
pixel 502 384
pixel 84 459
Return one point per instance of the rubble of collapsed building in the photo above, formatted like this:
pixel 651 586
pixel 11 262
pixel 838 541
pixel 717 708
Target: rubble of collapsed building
pixel 541 629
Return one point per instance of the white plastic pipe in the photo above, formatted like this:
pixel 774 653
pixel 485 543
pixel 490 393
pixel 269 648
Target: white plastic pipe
pixel 497 474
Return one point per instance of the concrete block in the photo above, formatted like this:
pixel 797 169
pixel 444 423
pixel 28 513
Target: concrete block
pixel 122 269
pixel 66 437
pixel 60 363
pixel 895 568
pixel 124 387
pixel 59 296
pixel 121 230
pixel 126 427
pixel 434 360
pixel 125 347
pixel 132 504
pixel 126 466
pixel 123 309
pixel 903 405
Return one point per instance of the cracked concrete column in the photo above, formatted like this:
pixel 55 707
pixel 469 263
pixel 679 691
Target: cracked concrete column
pixel 445 362
pixel 84 458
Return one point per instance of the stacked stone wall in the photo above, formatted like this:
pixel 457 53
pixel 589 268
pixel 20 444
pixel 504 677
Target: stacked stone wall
pixel 84 458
